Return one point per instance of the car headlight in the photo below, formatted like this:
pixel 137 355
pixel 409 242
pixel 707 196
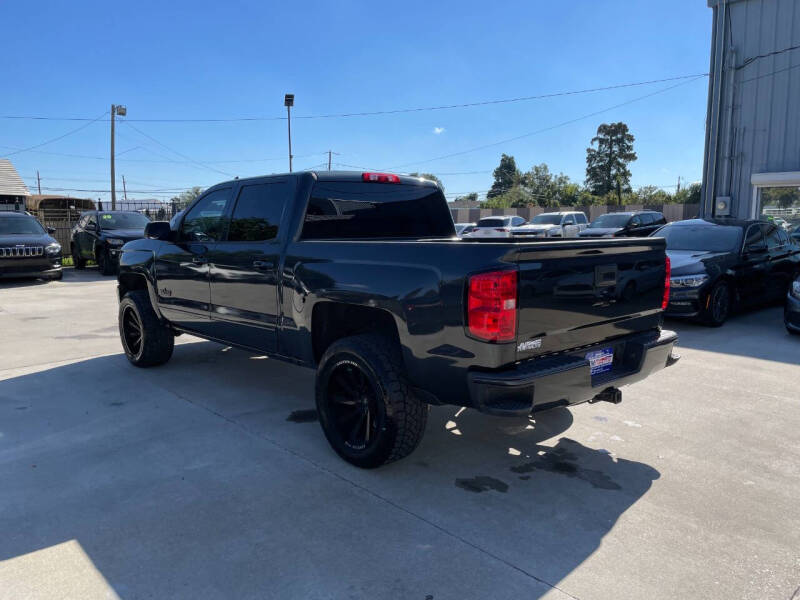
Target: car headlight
pixel 53 249
pixel 796 289
pixel 115 242
pixel 688 280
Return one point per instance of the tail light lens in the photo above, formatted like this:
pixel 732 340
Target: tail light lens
pixel 665 301
pixel 492 306
pixel 380 178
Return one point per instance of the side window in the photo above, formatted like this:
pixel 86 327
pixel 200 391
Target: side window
pixel 91 221
pixel 580 218
pixel 659 219
pixel 784 235
pixel 517 221
pixel 82 222
pixel 771 233
pixel 754 238
pixel 568 220
pixel 636 221
pixel 258 211
pixel 205 222
pixel 647 218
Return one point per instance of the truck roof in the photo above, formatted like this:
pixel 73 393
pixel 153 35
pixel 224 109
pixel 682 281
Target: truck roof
pixel 341 176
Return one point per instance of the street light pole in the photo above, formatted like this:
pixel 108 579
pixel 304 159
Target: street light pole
pixel 113 183
pixel 288 102
pixel 121 111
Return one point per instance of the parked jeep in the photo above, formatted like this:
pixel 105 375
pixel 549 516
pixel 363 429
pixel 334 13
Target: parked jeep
pixel 100 234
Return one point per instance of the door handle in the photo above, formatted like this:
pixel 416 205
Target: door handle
pixel 263 265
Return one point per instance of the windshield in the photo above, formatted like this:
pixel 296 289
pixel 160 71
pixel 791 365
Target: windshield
pixel 610 220
pixel 116 220
pixel 546 220
pixel 20 226
pixel 702 238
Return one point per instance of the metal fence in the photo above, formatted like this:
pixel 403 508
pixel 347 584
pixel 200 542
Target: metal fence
pixel 672 212
pixel 63 220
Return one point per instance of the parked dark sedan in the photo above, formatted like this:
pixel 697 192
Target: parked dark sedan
pixel 27 249
pixel 99 235
pixel 624 224
pixel 722 265
pixel 791 314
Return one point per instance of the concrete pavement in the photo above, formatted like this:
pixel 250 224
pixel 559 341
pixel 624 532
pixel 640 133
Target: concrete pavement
pixel 209 477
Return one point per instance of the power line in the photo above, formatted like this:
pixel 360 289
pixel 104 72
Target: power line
pixel 549 128
pixel 60 137
pixel 383 112
pixel 188 158
pixel 752 59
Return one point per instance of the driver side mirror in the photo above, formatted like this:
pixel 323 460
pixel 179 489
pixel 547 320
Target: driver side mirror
pixel 569 222
pixel 51 230
pixel 158 230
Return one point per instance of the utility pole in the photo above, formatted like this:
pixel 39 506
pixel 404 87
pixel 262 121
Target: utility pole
pixel 679 184
pixel 329 160
pixel 288 102
pixel 124 189
pixel 39 181
pixel 121 111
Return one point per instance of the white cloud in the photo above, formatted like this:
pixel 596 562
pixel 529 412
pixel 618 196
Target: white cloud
pixel 438 130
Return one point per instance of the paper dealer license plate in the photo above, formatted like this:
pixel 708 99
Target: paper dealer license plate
pixel 601 361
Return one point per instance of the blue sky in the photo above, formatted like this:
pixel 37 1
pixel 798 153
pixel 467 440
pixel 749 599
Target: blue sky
pixel 184 60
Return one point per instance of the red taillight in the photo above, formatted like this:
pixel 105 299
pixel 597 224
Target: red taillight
pixel 665 301
pixel 492 306
pixel 380 178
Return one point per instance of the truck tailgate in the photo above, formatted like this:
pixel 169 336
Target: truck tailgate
pixel 574 294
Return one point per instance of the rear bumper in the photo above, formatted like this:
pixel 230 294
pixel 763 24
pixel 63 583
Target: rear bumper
pixel 563 380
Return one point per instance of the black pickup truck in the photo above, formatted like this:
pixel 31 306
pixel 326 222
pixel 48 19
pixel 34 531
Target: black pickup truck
pixel 361 276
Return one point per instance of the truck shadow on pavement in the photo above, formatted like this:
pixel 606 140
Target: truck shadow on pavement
pixel 188 480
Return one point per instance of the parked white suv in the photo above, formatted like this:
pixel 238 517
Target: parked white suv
pixel 549 225
pixel 499 226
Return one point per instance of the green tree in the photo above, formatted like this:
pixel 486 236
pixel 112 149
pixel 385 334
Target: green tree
pixel 471 197
pixel 516 197
pixel 186 197
pixel 429 176
pixel 688 195
pixel 506 176
pixel 651 194
pixel 782 197
pixel 607 164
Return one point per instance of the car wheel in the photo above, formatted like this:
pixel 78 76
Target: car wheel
pixel 57 276
pixel 104 263
pixel 718 305
pixel 366 407
pixel 146 340
pixel 77 261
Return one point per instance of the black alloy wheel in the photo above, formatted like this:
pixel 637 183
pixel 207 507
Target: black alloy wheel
pixel 132 332
pixel 719 304
pixel 353 406
pixel 77 260
pixel 104 262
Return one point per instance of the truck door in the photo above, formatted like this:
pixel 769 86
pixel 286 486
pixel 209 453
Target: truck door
pixel 780 269
pixel 568 226
pixel 244 267
pixel 182 281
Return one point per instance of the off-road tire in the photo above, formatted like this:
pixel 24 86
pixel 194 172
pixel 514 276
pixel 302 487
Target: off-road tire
pixel 77 261
pixel 401 417
pixel 715 315
pixel 157 340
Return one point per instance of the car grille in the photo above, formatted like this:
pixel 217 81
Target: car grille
pixel 21 251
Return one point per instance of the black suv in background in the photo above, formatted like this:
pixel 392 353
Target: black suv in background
pixel 624 224
pixel 26 248
pixel 100 234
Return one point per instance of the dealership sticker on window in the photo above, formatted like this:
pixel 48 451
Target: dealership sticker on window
pixel 601 361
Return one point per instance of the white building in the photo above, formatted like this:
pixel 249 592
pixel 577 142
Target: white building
pixel 13 191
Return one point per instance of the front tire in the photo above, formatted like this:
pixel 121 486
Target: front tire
pixel 366 407
pixel 719 305
pixel 147 342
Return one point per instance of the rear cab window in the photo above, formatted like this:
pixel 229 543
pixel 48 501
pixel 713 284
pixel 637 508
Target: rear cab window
pixel 341 209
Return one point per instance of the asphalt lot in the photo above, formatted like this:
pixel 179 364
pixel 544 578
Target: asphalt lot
pixel 209 477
